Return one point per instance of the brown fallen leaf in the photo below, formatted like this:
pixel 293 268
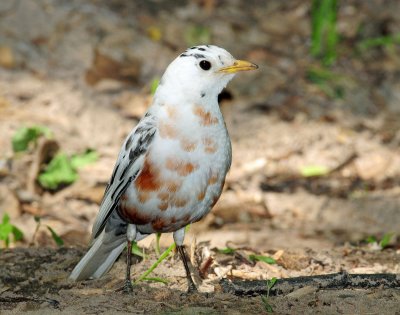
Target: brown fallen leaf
pixel 104 67
pixel 7 59
pixel 45 151
pixel 133 105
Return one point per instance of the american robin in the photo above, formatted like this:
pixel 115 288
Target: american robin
pixel 172 166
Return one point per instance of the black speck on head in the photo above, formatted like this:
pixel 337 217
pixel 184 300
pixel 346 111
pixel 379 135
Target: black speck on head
pixel 198 56
pixel 220 59
pixel 194 47
pixel 183 55
pixel 202 49
pixel 202 94
pixel 208 46
pixel 147 114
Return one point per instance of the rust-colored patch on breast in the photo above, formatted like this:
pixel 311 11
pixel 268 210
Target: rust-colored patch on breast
pixel 124 197
pixel 186 219
pixel 133 215
pixel 164 196
pixel 213 179
pixel 148 178
pixel 163 206
pixel 183 168
pixel 206 119
pixel 172 112
pixel 167 130
pixel 158 224
pixel 179 202
pixel 172 186
pixel 187 145
pixel 143 196
pixel 201 195
pixel 209 145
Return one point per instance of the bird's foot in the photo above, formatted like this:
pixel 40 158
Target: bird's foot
pixel 127 288
pixel 192 289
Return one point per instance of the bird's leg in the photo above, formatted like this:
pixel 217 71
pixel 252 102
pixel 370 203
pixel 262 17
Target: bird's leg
pixel 191 285
pixel 130 236
pixel 179 237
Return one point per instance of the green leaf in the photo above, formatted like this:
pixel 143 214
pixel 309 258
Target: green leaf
pixel 268 307
pixel 154 266
pixel 55 236
pixel 324 36
pixel 157 248
pixel 371 239
pixel 386 240
pixel 271 282
pixel 319 76
pixel 156 279
pixel 379 41
pixel 266 259
pixel 18 235
pixel 25 135
pixel 7 229
pixel 58 171
pixel 154 86
pixel 6 218
pixel 80 160
pixel 314 170
pixel 226 251
pixel 136 250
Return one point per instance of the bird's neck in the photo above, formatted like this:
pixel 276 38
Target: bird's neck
pixel 180 98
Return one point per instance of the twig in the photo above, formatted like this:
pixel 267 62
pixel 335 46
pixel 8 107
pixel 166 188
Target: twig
pixel 338 281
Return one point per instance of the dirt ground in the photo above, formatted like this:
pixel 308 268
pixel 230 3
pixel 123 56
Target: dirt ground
pixel 84 70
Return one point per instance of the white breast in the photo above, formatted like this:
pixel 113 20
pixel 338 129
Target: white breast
pixel 191 154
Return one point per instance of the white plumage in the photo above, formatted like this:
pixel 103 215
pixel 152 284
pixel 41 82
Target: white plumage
pixel 172 166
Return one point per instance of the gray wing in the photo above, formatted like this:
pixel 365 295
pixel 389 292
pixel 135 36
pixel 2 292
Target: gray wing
pixel 129 163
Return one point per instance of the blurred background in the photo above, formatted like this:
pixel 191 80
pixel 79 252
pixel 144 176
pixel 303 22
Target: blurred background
pixel 315 130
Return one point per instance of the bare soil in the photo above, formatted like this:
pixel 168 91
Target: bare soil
pixel 84 70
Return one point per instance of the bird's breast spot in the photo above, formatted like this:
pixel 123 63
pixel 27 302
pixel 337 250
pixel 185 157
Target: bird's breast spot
pixel 206 118
pixel 148 178
pixel 183 168
pixel 188 145
pixel 133 215
pixel 210 146
pixel 167 130
pixel 159 224
pixel 172 112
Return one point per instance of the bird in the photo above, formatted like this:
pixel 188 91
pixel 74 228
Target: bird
pixel 171 168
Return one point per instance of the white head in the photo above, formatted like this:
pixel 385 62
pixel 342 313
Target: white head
pixel 201 71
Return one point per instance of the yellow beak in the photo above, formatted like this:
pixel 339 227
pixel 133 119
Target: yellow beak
pixel 239 65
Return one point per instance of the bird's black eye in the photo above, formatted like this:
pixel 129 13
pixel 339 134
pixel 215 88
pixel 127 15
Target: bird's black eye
pixel 205 65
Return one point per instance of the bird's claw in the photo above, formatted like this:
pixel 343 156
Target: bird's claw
pixel 128 287
pixel 192 289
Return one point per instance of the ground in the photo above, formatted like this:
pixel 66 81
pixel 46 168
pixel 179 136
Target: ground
pixel 84 70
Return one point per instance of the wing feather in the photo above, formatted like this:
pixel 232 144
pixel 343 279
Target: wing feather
pixel 129 163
